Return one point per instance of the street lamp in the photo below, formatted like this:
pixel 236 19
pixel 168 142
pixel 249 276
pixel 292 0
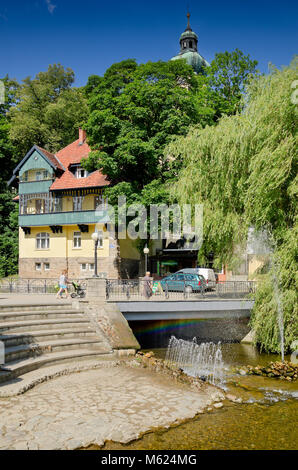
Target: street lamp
pixel 146 251
pixel 95 238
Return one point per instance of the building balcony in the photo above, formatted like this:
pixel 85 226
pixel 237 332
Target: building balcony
pixel 64 218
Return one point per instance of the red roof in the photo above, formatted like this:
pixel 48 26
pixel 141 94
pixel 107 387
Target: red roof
pixel 68 181
pixel 51 157
pixel 73 154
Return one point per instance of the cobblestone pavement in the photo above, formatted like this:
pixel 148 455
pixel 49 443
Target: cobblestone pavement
pixel 90 407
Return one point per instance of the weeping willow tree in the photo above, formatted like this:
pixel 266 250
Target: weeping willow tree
pixel 244 171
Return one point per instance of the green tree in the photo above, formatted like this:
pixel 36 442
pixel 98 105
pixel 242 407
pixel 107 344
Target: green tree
pixel 228 75
pixel 244 171
pixel 134 112
pixel 48 111
pixel 8 208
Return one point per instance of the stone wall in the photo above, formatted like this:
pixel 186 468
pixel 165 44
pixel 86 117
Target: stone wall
pixel 107 266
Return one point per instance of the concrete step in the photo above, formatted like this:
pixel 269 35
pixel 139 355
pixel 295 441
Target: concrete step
pixel 33 307
pixel 24 366
pixel 15 353
pixel 27 381
pixel 35 325
pixel 10 316
pixel 13 339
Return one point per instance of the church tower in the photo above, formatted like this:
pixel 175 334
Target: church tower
pixel 189 49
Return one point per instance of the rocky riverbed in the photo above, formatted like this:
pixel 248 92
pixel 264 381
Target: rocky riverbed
pixel 118 404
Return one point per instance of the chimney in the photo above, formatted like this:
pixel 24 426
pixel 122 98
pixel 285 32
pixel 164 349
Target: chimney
pixel 82 136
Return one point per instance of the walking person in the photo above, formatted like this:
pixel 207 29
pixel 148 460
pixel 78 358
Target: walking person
pixel 63 281
pixel 147 285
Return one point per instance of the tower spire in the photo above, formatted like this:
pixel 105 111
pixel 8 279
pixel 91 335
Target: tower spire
pixel 188 24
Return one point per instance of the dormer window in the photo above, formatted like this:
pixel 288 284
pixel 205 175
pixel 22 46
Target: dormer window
pixel 81 173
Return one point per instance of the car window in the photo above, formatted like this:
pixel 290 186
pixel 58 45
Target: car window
pixel 180 277
pixel 189 277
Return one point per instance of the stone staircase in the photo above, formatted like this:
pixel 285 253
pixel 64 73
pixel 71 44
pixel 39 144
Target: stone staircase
pixel 37 336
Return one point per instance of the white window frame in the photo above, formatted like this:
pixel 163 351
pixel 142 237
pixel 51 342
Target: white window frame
pixel 79 172
pixel 36 267
pixel 77 240
pixel 91 266
pixel 86 266
pixel 46 266
pixel 40 238
pixel 78 203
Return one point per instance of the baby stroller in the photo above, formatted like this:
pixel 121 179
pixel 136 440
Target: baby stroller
pixel 79 291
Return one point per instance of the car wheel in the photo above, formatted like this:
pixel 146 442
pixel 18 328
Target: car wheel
pixel 189 289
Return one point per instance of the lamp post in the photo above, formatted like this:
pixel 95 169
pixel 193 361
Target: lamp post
pixel 146 251
pixel 95 238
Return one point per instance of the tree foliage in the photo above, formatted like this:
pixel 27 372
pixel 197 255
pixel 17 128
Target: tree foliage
pixel 135 111
pixel 8 209
pixel 228 75
pixel 244 171
pixel 48 111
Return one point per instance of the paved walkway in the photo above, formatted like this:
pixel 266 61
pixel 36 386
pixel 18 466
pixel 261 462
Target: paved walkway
pixel 32 299
pixel 117 403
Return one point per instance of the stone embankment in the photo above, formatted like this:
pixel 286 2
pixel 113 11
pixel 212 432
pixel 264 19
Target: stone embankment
pixel 278 370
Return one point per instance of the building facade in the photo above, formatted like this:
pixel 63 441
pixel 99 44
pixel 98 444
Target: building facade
pixel 60 206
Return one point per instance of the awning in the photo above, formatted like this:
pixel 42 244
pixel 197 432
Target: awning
pixel 169 263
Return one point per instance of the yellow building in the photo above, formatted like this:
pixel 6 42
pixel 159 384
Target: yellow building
pixel 60 206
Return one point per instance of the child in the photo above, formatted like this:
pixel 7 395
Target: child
pixel 63 285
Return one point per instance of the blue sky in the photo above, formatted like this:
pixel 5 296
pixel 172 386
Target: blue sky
pixel 90 35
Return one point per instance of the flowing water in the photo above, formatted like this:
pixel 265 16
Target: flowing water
pixel 197 360
pixel 267 418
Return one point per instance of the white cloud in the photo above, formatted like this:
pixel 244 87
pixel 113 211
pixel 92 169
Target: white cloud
pixel 51 6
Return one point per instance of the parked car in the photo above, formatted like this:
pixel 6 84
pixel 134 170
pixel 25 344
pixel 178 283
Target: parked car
pixel 178 282
pixel 207 273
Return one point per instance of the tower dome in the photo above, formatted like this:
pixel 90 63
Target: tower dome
pixel 189 49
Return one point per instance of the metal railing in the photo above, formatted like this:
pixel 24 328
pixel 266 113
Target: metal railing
pixel 35 286
pixel 141 290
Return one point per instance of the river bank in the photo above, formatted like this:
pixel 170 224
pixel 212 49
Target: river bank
pixel 117 403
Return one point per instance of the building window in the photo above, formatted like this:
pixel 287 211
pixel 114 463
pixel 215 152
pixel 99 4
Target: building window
pixel 38 176
pixel 77 203
pixel 84 266
pixel 81 173
pixel 24 176
pixel 56 204
pixel 46 266
pixel 97 201
pixel 42 241
pixel 190 44
pixel 91 267
pixel 37 266
pixel 77 239
pixel 39 206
